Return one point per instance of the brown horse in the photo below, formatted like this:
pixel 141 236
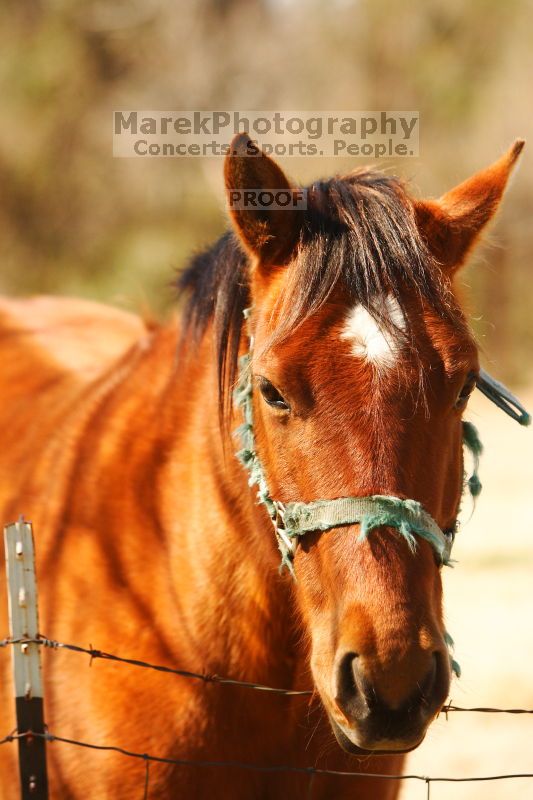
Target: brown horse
pixel 150 542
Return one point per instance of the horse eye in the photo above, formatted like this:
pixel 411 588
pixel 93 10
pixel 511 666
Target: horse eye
pixel 466 391
pixel 272 396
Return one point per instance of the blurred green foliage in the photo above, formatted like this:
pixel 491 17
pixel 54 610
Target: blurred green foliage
pixel 74 220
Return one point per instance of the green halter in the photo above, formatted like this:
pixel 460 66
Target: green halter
pixel 293 520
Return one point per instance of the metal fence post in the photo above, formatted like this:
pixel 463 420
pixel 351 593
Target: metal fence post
pixel 24 624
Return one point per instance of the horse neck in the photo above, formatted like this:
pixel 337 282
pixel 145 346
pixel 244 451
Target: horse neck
pixel 237 609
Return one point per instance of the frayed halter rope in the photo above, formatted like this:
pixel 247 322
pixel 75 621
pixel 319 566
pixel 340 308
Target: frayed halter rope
pixel 293 520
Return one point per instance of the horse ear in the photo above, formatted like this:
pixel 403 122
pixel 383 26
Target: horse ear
pixel 269 233
pixel 451 224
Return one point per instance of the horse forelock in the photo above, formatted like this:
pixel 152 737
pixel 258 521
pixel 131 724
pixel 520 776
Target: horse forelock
pixel 359 240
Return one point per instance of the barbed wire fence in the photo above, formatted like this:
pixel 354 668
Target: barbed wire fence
pixel 39 641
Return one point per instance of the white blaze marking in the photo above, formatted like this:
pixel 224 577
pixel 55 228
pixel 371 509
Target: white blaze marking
pixel 368 339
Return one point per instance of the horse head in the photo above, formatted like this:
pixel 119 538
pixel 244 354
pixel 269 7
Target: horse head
pixel 362 366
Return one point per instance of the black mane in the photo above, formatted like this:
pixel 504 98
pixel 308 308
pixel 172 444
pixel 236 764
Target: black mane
pixel 359 232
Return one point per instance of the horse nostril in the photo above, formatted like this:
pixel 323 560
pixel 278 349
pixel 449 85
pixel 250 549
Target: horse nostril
pixel 434 688
pixel 345 684
pixel 352 693
pixel 437 684
pixel 428 684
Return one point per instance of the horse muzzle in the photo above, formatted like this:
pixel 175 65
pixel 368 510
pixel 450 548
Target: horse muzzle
pixel 368 717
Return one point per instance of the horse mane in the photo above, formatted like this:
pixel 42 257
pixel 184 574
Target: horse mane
pixel 359 233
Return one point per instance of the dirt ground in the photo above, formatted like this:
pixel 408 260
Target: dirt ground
pixel 489 612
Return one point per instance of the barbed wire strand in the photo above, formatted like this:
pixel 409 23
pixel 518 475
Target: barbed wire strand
pixel 133 662
pixel 94 653
pixel 50 737
pixel 182 762
pixel 487 710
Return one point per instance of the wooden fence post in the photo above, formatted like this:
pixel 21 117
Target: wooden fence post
pixel 24 624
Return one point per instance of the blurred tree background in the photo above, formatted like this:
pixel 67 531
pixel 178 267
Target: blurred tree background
pixel 74 220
